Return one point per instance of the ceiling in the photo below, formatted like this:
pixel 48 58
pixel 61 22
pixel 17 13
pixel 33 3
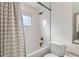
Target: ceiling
pixel 36 5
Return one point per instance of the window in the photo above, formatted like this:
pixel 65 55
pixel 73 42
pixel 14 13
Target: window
pixel 26 20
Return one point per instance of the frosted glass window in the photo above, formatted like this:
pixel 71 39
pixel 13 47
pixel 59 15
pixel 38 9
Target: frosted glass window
pixel 26 20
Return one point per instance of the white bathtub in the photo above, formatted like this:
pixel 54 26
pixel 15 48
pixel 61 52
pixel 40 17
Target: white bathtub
pixel 40 53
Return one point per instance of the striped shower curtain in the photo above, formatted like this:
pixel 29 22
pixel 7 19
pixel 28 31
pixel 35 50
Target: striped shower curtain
pixel 11 38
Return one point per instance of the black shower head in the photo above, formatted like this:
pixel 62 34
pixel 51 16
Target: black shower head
pixel 40 13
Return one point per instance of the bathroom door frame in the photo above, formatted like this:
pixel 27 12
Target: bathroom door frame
pixel 74 26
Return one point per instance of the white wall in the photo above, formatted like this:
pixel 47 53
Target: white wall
pixel 45 31
pixel 75 7
pixel 62 23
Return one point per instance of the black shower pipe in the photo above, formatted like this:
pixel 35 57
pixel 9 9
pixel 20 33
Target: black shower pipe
pixel 44 6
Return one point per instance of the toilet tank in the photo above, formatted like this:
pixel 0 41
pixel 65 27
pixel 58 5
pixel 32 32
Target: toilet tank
pixel 58 49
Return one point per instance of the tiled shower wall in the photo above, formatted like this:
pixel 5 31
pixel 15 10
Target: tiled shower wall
pixel 34 32
pixel 31 33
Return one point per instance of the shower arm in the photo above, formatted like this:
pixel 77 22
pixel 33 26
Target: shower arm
pixel 44 6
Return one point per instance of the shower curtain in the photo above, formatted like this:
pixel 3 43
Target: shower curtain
pixel 11 34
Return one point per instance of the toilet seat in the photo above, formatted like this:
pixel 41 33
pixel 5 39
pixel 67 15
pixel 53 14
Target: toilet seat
pixel 50 55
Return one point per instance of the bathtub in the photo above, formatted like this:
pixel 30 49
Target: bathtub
pixel 41 52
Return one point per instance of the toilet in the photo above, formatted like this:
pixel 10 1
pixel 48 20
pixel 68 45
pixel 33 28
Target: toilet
pixel 57 50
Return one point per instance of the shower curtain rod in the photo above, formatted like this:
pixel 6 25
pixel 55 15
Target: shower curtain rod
pixel 44 6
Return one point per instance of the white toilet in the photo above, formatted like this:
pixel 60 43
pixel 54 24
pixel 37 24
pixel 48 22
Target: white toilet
pixel 57 50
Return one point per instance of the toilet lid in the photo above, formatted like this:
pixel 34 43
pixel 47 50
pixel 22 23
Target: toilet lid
pixel 50 55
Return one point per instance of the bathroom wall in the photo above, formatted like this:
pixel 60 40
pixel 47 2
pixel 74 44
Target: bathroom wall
pixel 32 35
pixel 75 7
pixel 45 28
pixel 61 31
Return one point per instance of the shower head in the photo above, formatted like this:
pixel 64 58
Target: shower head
pixel 40 13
